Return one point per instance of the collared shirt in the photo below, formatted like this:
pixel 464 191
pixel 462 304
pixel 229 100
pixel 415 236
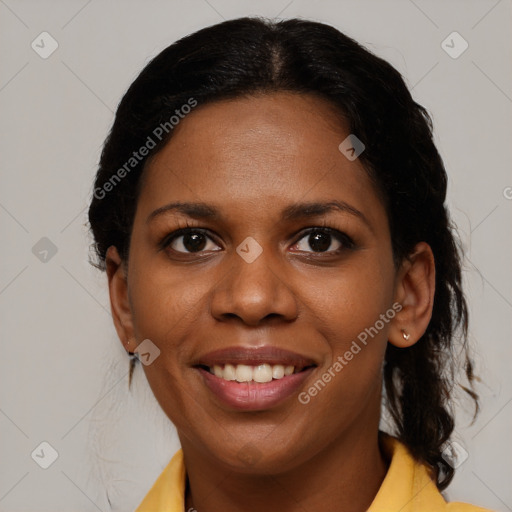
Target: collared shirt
pixel 407 487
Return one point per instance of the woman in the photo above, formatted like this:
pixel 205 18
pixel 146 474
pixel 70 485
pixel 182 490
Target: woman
pixel 269 209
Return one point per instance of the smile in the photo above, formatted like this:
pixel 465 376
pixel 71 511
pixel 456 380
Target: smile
pixel 253 379
pixel 245 373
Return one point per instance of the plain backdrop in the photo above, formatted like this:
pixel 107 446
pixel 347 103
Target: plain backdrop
pixel 63 371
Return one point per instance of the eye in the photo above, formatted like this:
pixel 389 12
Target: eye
pixel 321 240
pixel 188 241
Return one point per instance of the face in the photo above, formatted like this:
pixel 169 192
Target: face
pixel 285 261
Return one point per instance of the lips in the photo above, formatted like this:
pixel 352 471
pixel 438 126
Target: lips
pixel 254 356
pixel 253 379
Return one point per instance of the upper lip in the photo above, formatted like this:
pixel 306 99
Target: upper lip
pixel 254 356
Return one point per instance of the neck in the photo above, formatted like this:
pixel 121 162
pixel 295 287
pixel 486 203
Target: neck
pixel 346 476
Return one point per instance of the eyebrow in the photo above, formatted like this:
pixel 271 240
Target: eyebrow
pixel 292 212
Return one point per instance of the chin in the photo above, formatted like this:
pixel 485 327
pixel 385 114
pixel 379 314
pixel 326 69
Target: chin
pixel 250 456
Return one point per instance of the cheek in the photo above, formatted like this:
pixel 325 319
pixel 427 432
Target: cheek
pixel 164 304
pixel 353 312
pixel 167 309
pixel 353 298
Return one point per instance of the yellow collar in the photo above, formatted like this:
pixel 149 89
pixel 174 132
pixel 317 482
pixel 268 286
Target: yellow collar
pixel 407 486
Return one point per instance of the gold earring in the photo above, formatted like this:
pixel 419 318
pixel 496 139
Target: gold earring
pixel 405 335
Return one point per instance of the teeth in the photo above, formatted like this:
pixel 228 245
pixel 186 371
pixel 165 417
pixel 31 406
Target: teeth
pixel 228 374
pixel 263 373
pixel 278 371
pixel 245 373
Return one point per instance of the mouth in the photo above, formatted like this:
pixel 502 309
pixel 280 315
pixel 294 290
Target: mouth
pixel 253 379
pixel 261 373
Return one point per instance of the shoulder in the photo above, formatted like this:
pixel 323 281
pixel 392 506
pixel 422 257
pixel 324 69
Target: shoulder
pixel 168 492
pixel 408 485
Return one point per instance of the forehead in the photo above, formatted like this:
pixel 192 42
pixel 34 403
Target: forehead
pixel 264 151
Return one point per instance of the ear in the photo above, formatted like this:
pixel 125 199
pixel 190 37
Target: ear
pixel 415 287
pixel 119 301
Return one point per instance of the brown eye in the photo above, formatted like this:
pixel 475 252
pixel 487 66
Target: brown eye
pixel 189 241
pixel 323 240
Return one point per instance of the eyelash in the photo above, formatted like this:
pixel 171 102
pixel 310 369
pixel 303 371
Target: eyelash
pixel 344 239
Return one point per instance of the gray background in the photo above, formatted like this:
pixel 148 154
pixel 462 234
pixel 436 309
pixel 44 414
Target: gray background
pixel 64 373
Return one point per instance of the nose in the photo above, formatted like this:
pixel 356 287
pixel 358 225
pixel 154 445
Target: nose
pixel 254 293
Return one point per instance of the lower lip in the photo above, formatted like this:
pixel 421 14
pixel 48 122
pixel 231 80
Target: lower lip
pixel 254 396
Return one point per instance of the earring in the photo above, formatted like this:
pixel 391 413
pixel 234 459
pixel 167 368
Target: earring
pixel 405 335
pixel 131 354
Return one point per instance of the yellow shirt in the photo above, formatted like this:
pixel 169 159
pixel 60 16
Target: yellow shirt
pixel 407 487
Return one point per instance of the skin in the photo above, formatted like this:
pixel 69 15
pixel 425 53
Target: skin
pixel 250 158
